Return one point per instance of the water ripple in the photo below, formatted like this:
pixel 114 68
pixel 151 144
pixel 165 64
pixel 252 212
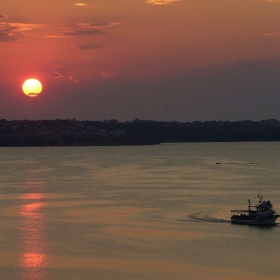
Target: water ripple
pixel 205 217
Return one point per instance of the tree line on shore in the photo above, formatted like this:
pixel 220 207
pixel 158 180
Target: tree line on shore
pixel 137 132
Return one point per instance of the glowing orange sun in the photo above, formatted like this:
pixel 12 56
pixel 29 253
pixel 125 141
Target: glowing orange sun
pixel 32 87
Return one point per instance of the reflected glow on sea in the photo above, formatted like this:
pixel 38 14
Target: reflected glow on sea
pixel 142 212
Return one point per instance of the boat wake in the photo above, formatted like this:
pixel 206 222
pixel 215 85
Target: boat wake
pixel 234 163
pixel 202 217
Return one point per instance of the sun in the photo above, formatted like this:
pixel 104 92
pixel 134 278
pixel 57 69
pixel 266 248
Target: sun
pixel 32 87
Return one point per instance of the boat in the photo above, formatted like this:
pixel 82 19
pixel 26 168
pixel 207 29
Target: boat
pixel 260 214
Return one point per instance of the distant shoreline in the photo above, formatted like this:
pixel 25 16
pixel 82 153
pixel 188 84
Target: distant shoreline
pixel 25 133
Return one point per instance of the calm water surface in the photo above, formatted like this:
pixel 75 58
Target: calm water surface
pixel 144 212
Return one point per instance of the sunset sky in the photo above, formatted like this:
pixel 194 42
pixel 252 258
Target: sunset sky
pixel 164 60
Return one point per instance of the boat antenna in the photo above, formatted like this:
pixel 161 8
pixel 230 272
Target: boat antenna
pixel 260 196
pixel 249 206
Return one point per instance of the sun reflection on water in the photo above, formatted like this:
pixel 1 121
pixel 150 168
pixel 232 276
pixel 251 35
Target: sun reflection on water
pixel 33 260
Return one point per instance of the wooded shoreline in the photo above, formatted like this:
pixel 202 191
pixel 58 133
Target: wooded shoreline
pixel 21 133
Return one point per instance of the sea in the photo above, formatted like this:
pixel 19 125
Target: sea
pixel 137 212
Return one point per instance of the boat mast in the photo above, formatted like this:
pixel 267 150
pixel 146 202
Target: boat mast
pixel 249 206
pixel 260 196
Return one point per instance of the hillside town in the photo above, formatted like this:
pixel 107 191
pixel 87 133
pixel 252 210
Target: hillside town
pixel 71 132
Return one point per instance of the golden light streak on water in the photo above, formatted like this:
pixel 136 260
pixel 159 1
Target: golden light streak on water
pixel 33 260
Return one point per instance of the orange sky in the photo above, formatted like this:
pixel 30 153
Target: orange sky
pixel 164 60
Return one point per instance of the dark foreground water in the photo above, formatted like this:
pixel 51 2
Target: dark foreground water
pixel 151 212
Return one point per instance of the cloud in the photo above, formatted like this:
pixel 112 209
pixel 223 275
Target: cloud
pixel 272 34
pixel 73 80
pixel 55 75
pixel 2 16
pixel 84 29
pixel 56 66
pixel 6 37
pixel 161 2
pixel 84 32
pixel 89 47
pixel 53 36
pixel 31 94
pixel 8 31
pixel 80 4
pixel 24 27
pixel 96 25
pixel 109 74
